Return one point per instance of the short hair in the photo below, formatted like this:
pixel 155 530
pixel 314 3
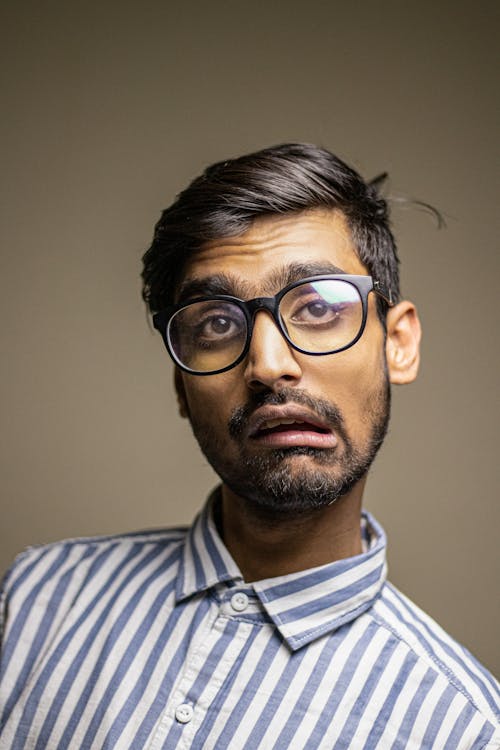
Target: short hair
pixel 289 178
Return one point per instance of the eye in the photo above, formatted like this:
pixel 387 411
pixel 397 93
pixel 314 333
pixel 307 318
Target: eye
pixel 216 326
pixel 317 310
pixel 213 325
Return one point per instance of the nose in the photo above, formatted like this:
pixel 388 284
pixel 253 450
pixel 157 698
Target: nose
pixel 270 361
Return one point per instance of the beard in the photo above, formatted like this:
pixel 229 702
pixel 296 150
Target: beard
pixel 269 481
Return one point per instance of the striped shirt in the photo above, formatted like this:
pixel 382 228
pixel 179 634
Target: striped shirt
pixel 153 640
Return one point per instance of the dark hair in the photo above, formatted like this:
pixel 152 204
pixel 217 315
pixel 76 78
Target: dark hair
pixel 292 177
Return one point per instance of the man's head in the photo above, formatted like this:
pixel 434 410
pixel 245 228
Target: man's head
pixel 287 430
pixel 286 179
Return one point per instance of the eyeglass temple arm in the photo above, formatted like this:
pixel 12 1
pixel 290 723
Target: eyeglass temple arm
pixel 382 291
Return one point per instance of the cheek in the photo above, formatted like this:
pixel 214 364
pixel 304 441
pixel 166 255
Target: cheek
pixel 350 371
pixel 210 399
pixel 352 380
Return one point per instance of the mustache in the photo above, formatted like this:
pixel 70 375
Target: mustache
pixel 322 408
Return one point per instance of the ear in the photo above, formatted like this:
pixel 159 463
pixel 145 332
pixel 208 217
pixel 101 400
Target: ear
pixel 403 342
pixel 181 394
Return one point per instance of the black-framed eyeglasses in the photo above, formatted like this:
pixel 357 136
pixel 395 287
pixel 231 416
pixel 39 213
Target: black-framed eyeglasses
pixel 317 315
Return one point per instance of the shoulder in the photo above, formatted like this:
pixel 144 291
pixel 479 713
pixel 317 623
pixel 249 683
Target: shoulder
pixel 441 655
pixel 50 578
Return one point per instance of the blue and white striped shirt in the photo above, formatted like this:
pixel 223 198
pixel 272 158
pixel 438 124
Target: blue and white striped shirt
pixel 153 640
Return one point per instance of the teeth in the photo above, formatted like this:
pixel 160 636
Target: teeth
pixel 271 423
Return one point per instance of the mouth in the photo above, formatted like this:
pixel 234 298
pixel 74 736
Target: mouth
pixel 288 427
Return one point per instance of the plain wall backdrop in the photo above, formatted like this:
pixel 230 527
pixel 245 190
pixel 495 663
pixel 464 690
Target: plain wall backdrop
pixel 108 111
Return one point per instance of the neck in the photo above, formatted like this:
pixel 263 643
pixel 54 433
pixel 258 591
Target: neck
pixel 265 546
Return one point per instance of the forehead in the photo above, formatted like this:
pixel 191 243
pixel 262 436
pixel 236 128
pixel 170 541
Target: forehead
pixel 257 258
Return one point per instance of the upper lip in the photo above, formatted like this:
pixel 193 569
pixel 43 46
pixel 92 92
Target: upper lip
pixel 266 414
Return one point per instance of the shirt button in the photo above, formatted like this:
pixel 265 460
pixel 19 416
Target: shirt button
pixel 239 602
pixel 184 713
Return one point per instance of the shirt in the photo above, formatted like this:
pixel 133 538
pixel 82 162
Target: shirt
pixel 153 640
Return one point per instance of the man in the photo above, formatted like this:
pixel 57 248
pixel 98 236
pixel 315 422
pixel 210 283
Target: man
pixel 273 280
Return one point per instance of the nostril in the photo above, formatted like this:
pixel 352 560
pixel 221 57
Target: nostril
pixel 257 384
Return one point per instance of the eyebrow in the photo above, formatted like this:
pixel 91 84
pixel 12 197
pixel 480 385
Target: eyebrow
pixel 295 271
pixel 223 283
pixel 208 286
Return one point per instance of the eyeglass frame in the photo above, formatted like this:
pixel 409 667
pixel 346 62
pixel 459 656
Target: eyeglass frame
pixel 363 284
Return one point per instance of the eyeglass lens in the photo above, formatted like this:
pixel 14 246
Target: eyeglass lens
pixel 318 317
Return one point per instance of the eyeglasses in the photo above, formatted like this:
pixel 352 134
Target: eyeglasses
pixel 317 315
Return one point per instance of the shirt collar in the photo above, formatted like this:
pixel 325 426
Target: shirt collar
pixel 303 605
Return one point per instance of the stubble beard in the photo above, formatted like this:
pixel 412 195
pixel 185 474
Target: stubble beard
pixel 300 479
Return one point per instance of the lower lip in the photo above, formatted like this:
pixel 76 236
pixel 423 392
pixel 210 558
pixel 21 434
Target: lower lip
pixel 292 438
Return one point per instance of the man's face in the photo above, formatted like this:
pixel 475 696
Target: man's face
pixel 284 430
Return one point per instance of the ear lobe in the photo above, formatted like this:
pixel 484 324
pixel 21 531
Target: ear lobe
pixel 181 394
pixel 403 342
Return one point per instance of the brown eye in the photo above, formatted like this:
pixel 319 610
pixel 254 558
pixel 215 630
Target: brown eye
pixel 317 309
pixel 220 325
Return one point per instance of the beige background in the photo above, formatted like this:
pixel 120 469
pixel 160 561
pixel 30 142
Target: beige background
pixel 108 110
